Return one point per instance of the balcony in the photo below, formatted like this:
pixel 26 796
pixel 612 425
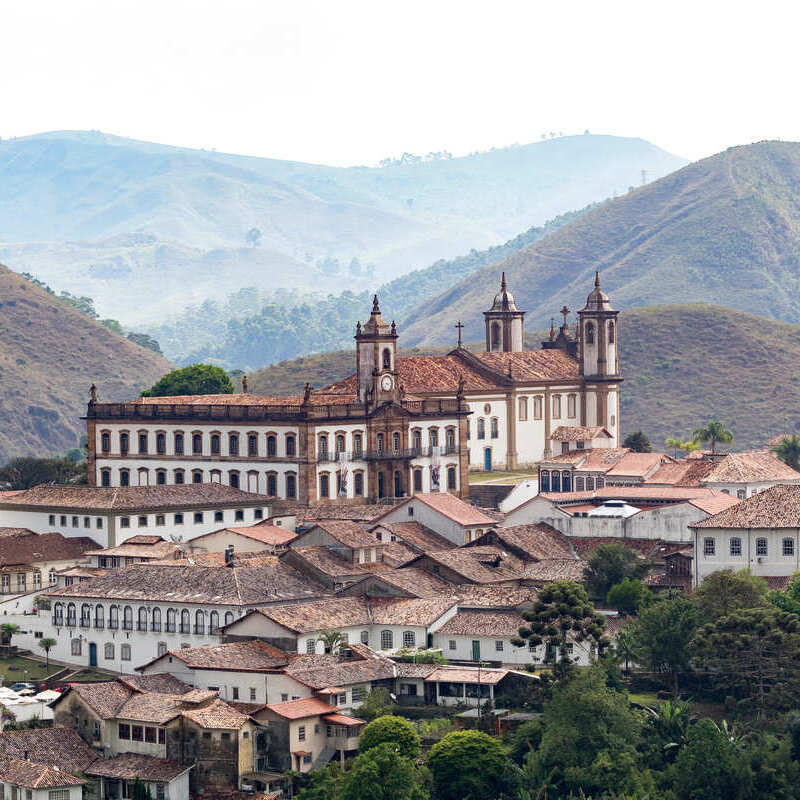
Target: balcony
pixel 99 624
pixel 58 622
pixel 199 629
pixel 141 626
pixel 127 625
pixel 170 627
pixel 186 628
pixel 86 622
pixel 113 624
pixel 155 627
pixel 72 622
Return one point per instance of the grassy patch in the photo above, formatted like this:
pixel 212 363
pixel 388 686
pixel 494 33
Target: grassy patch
pixel 17 669
pixel 90 676
pixel 645 699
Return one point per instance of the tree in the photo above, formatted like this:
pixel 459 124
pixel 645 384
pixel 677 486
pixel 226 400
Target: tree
pixel 382 773
pixel 638 442
pixel 140 790
pixel 714 432
pixel 377 703
pixel 562 611
pixel 590 740
pixel 397 731
pixel 709 767
pixel 7 630
pixel 663 633
pixel 674 443
pixel 47 644
pixel 253 237
pixel 754 652
pixel 470 765
pixel 113 325
pixel 625 646
pixel 788 451
pixel 725 591
pixel 628 596
pixel 194 379
pixel 788 600
pixel 25 472
pixel 332 640
pixel 610 564
pixel 143 340
pixel 668 729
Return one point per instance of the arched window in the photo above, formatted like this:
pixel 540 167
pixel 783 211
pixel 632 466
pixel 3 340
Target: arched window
pixel 396 442
pixel 108 651
pixel 215 475
pixel 71 615
pixel 323 447
pixel 197 444
pixel 58 614
pixel 416 440
pixel 161 477
pixel 86 615
pixel 523 409
pixel 544 480
pixel 99 616
pixel 186 621
pixel 180 476
pixel 495 429
pixel 433 437
pixel 358 484
pixel 178 444
pixel 387 358
pixel 272 484
pixel 291 486
pixel 589 333
pixel 172 616
pixel 495 338
pixel 387 640
pixel 197 476
pixel 105 477
pixel 272 445
pixel 398 484
pixel 143 442
pixel 340 448
pixel 161 443
pixel 409 639
pixel 228 617
pixel 199 622
pixel 215 444
pixel 324 485
pixel 105 442
pixel 357 444
pixel 417 480
pixel 481 428
pixel 555 481
pixel 233 478
pixel 124 477
pixel 213 622
pixel 565 481
pixel 290 444
pixel 233 444
pixel 589 484
pixel 127 618
pixel 124 443
pixel 141 623
pixel 451 441
pixel 451 478
pixel 380 442
pixel 113 617
pixel 155 624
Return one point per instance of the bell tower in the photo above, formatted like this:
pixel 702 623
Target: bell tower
pixel 376 349
pixel 504 323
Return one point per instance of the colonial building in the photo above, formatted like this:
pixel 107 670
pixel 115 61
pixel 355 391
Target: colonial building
pixel 396 427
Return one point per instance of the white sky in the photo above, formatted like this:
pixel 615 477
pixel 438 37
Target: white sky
pixel 349 82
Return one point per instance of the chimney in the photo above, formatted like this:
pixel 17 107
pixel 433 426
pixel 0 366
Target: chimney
pixel 229 556
pixel 26 756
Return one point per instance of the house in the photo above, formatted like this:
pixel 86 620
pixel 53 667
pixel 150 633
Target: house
pixel 58 748
pixel 444 514
pixel 536 542
pixel 135 550
pixel 261 538
pixel 476 564
pixel 306 734
pixel 345 538
pixel 129 616
pixel 452 686
pixel 36 781
pixel 112 515
pixel 162 778
pixel 760 533
pixel 744 474
pixel 30 561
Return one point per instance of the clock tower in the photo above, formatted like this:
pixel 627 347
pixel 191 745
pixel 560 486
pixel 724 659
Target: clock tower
pixel 376 349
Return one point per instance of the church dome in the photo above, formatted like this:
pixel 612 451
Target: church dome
pixel 504 300
pixel 597 300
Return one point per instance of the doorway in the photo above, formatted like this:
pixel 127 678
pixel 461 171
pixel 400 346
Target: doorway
pixel 476 650
pixel 487 459
pixel 92 654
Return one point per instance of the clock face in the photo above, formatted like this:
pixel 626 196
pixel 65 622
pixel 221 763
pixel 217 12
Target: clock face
pixel 386 383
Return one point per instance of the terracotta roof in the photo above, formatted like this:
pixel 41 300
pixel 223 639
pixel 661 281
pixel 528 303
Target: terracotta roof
pixel 329 563
pixel 299 709
pixel 395 554
pixel 416 536
pixel 130 766
pixel 501 597
pixel 104 698
pixel 32 775
pixel 409 670
pixel 39 547
pixel 597 459
pixel 217 715
pixel 152 707
pixel 364 512
pixel 57 747
pixel 533 365
pixel 777 507
pixel 248 656
pixel 578 433
pixel 15 531
pixel 536 541
pixel 343 673
pixel 242 584
pixel 750 466
pixel 416 581
pixel 131 549
pixel 467 675
pixel 348 532
pixel 638 465
pixel 687 472
pixel 450 506
pixel 163 683
pixel 713 505
pixel 483 623
pixel 408 611
pixel 268 534
pixel 343 719
pixel 134 498
pixel 477 564
pixel 555 569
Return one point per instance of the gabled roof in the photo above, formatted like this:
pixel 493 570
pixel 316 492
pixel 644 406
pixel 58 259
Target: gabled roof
pixel 448 505
pixel 347 532
pixel 686 472
pixel 417 582
pixel 138 549
pixel 130 766
pixel 37 547
pixel 555 569
pixel 267 534
pixel 56 747
pixel 531 542
pixel 596 459
pixel 777 507
pixel 479 564
pixel 483 623
pixel 299 709
pixel 638 465
pixel 31 775
pixel 416 536
pixel 467 675
pixel 248 656
pixel 751 466
pixel 579 433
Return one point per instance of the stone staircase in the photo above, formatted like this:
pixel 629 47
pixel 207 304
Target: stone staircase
pixel 324 757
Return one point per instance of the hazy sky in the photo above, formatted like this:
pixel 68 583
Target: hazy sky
pixel 346 82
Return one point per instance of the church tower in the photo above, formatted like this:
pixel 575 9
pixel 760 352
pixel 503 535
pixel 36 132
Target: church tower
pixel 599 365
pixel 376 349
pixel 504 323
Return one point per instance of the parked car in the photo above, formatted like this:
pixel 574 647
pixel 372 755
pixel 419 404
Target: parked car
pixel 18 687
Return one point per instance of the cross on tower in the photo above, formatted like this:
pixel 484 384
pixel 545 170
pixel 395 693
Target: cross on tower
pixel 564 313
pixel 459 326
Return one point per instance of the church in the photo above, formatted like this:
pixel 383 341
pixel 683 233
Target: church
pixel 395 427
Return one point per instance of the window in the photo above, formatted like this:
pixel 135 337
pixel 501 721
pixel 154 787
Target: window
pixel 178 444
pixel 235 692
pixel 788 547
pixel 178 519
pixel 291 486
pixel 113 617
pixel 589 333
pixel 252 694
pixel 142 442
pixel 171 620
pixel 379 440
pixel 340 444
pixel 215 444
pixel 272 484
pixel 611 332
pixel 233 444
pixel 185 621
pixel 162 736
pixel 324 485
pixel 494 428
pixel 197 476
pixel 197 444
pixel 523 409
pixel 387 358
pixel 124 477
pixel 409 639
pixel 741 494
pixel 556 406
pixel 161 477
pixel 76 647
pixel 87 522
pixel 469 430
pixel 396 442
pixel 137 733
pixel 495 336
pixel 323 447
pixel 238 515
pixel 75 522
pixel 417 480
pixel 301 733
pixel 498 645
pixel 233 479
pixel 358 693
pixel 571 405
pixel 387 640
pixel 199 622
pixel 142 522
pixel 451 478
pixel 105 442
pixel 761 546
pixel 357 444
pixel 160 520
pixel 451 644
pixel 258 513
pixel 127 618
pixel 311 646
pixel 108 651
pixel 709 546
pixel 198 517
pixel 481 428
pixel 252 445
pixel 228 617
pixel 150 734
pixel 105 477
pixel 179 476
pixel 291 446
pixel 537 407
pixel 124 443
pixel 63 520
pixel 433 437
pixel 162 648
pixel 736 546
pixel 124 730
pixel 141 622
pixel 125 522
pixel 364 637
pixel 213 622
pixel 155 623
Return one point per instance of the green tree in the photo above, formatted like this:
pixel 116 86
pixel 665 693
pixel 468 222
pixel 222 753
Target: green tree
pixel 83 304
pixel 47 644
pixel 610 564
pixel 628 596
pixel 709 767
pixel 526 740
pixel 396 731
pixel 318 784
pixel 638 442
pixel 113 325
pixel 143 340
pixel 194 379
pixel 668 730
pixel 714 432
pixel 754 652
pixel 382 773
pixel 140 791
pixel 788 600
pixel 332 641
pixel 562 611
pixel 378 703
pixel 590 740
pixel 26 472
pixel 625 646
pixel 7 630
pixel 662 636
pixel 725 591
pixel 470 765
pixel 674 443
pixel 788 451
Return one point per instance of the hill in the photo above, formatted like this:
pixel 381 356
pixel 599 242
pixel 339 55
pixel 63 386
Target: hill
pixel 683 364
pixel 50 353
pixel 133 224
pixel 724 229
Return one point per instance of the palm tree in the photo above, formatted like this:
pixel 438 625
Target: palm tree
pixel 788 451
pixel 625 647
pixel 332 640
pixel 674 443
pixel 47 645
pixel 7 630
pixel 713 432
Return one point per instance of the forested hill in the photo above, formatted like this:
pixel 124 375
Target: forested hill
pixel 683 364
pixel 50 353
pixel 145 228
pixel 722 230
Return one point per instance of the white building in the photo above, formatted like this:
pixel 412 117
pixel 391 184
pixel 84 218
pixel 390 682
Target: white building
pixel 745 474
pixel 20 778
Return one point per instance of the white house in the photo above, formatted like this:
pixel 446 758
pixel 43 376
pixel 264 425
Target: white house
pixel 164 779
pixel 20 778
pixel 745 474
